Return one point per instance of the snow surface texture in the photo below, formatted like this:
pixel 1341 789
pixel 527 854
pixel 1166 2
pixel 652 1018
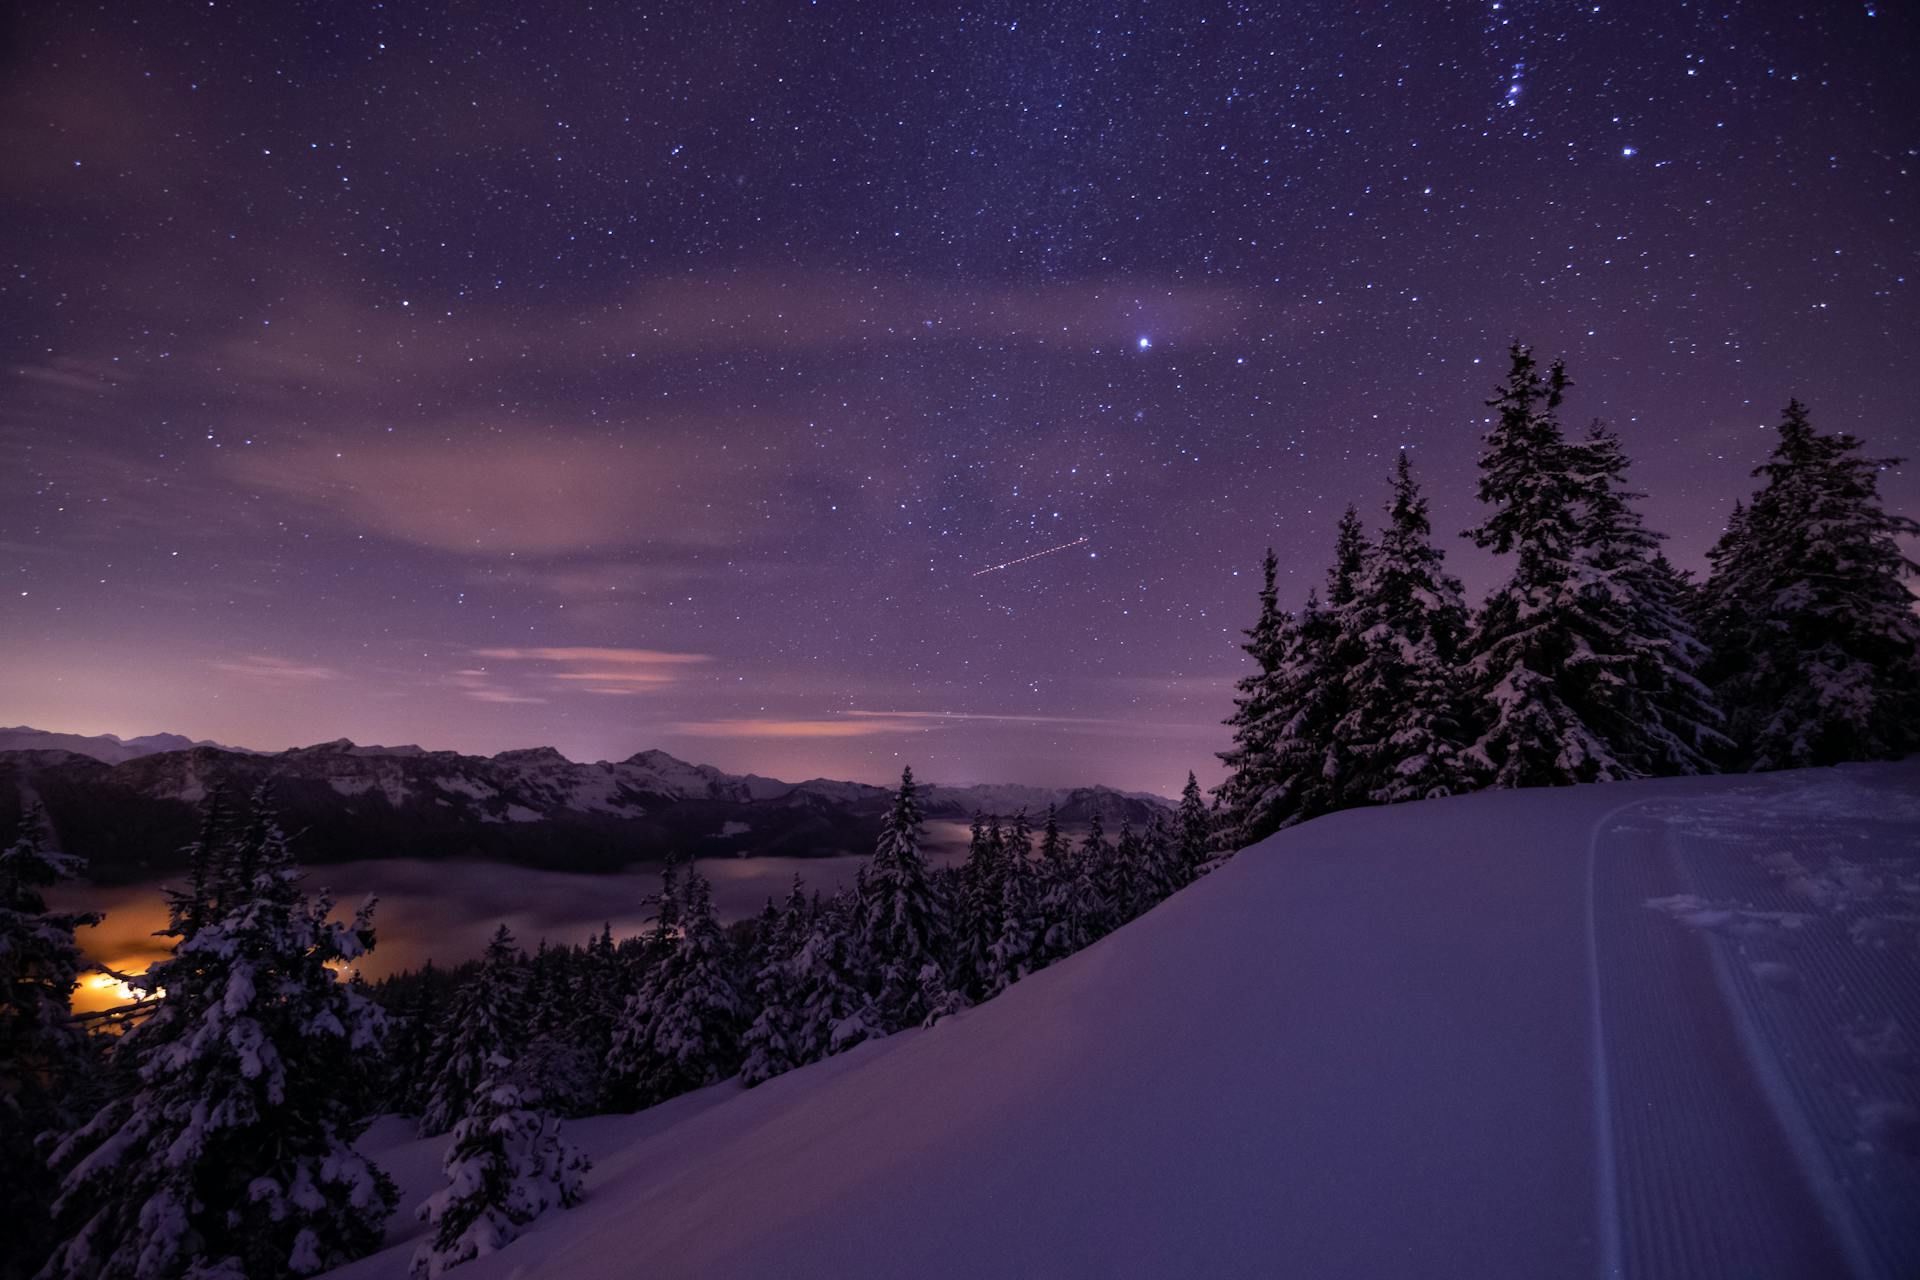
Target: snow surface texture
pixel 1654 1029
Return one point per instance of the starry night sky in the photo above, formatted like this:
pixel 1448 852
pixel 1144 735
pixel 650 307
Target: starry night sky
pixel 613 377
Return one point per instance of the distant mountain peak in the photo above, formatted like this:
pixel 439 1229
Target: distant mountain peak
pixel 531 755
pixel 655 758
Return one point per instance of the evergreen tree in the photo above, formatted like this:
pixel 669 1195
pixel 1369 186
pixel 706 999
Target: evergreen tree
pixel 414 1022
pixel 42 1053
pixel 1013 954
pixel 1163 867
pixel 229 1150
pixel 977 922
pixel 1194 838
pixel 681 1030
pixel 1657 716
pixel 1290 762
pixel 1126 886
pixel 1539 655
pixel 1816 649
pixel 1256 713
pixel 1072 905
pixel 771 1045
pixel 1403 730
pixel 507 1164
pixel 486 1018
pixel 833 1010
pixel 597 997
pixel 901 929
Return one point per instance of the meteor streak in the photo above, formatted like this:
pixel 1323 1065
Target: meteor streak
pixel 1008 564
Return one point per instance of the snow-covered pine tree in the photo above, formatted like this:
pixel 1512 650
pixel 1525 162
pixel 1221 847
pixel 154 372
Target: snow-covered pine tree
pixel 631 1036
pixel 414 1022
pixel 507 1165
pixel 1012 955
pixel 1125 886
pixel 1296 765
pixel 1193 831
pixel 977 919
pixel 230 1150
pixel 595 1000
pixel 770 1046
pixel 901 925
pixel 1073 909
pixel 1327 703
pixel 1163 867
pixel 208 859
pixel 1403 731
pixel 568 1072
pixel 682 1029
pixel 1816 648
pixel 1536 650
pixel 832 1007
pixel 42 1053
pixel 486 1018
pixel 1256 711
pixel 1657 716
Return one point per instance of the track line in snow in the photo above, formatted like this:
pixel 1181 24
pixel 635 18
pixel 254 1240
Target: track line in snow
pixel 1606 1178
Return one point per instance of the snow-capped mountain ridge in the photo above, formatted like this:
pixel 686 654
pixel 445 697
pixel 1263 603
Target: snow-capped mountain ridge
pixel 108 747
pixel 530 805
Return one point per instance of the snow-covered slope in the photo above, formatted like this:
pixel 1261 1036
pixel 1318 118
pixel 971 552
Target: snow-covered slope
pixel 1481 1037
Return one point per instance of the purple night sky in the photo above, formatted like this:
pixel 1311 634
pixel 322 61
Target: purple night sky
pixel 486 376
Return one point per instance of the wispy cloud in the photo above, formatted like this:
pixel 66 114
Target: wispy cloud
pixel 588 653
pixel 868 724
pixel 756 728
pixel 597 669
pixel 906 718
pixel 270 670
pixel 499 490
pixel 479 685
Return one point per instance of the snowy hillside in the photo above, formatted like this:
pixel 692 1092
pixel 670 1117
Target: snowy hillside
pixel 1656 1029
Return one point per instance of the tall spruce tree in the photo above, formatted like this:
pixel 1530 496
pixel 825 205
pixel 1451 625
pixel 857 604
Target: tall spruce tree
pixel 43 1055
pixel 1540 655
pixel 681 1030
pixel 1014 953
pixel 902 929
pixel 771 1046
pixel 1816 649
pixel 1403 732
pixel 977 919
pixel 1073 906
pixel 229 1151
pixel 1656 715
pixel 1194 830
pixel 486 1018
pixel 1257 716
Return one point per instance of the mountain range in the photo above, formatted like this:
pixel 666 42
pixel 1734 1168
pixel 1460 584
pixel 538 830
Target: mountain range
pixel 101 746
pixel 129 806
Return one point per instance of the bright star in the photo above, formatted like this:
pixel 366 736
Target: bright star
pixel 1146 343
pixel 1629 152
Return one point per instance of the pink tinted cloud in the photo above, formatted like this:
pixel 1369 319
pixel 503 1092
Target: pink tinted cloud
pixel 267 669
pixel 607 671
pixel 780 728
pixel 527 492
pixel 592 653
